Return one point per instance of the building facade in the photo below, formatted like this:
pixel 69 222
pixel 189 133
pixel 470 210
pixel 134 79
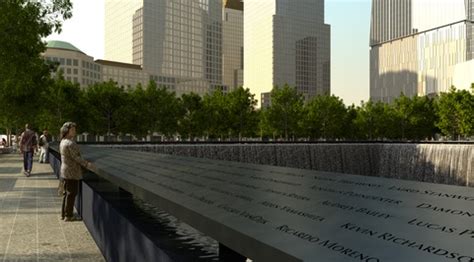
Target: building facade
pixel 420 47
pixel 81 68
pixel 126 75
pixel 118 29
pixel 178 42
pixel 286 42
pixel 77 67
pixel 233 44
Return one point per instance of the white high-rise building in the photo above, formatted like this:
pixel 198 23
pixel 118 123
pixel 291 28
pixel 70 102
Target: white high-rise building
pixel 178 42
pixel 420 47
pixel 118 29
pixel 286 42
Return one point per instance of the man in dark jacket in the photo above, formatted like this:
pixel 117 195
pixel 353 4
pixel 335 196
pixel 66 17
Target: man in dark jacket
pixel 28 145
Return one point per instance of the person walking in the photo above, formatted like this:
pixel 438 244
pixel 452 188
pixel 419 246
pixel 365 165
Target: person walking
pixel 44 146
pixel 70 171
pixel 28 145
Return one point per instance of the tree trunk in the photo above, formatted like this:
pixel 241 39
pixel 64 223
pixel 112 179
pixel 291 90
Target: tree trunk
pixel 9 133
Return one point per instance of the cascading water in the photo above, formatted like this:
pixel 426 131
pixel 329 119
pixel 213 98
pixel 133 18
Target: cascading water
pixel 451 164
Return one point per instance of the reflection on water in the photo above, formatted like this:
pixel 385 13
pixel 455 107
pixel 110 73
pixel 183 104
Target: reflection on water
pixel 178 240
pixel 185 236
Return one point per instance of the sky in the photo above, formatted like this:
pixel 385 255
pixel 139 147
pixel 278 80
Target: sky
pixel 349 20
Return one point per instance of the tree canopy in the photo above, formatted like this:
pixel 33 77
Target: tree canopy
pixel 24 75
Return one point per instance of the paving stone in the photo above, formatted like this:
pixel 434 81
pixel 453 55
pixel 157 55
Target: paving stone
pixel 30 228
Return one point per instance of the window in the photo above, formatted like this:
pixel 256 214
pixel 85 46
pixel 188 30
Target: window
pixel 68 62
pixel 61 61
pixel 68 70
pixel 75 80
pixel 75 71
pixel 75 62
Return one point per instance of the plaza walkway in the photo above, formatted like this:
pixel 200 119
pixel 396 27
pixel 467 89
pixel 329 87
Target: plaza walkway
pixel 30 225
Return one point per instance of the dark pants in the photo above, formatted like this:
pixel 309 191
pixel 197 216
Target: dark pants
pixel 71 187
pixel 28 161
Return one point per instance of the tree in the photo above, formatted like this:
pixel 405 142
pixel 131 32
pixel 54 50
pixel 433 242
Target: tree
pixel 264 128
pixel 402 112
pixel 106 104
pixel 192 117
pixel 168 114
pixel 61 102
pixel 349 128
pixel 456 113
pixel 134 119
pixel 216 108
pixel 414 117
pixel 162 110
pixel 325 117
pixel 375 121
pixel 285 112
pixel 422 118
pixel 23 73
pixel 241 107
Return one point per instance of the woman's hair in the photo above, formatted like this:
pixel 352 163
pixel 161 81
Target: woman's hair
pixel 65 129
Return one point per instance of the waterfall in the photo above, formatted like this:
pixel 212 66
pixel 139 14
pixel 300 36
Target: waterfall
pixel 451 164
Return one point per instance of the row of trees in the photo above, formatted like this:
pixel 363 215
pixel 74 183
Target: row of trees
pixel 106 108
pixel 418 118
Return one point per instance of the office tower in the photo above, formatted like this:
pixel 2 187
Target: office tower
pixel 233 44
pixel 420 47
pixel 391 19
pixel 178 42
pixel 286 42
pixel 118 29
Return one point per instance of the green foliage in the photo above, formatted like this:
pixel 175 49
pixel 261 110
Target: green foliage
pixel 414 118
pixel 134 120
pixel 23 73
pixel 349 128
pixel 285 112
pixel 373 120
pixel 105 102
pixel 456 113
pixel 325 117
pixel 217 122
pixel 60 102
pixel 165 109
pixel 192 116
pixel 242 114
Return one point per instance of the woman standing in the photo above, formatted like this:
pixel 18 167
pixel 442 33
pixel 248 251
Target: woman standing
pixel 71 172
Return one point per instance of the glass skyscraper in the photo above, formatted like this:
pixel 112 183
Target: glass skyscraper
pixel 286 42
pixel 420 47
pixel 233 44
pixel 178 42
